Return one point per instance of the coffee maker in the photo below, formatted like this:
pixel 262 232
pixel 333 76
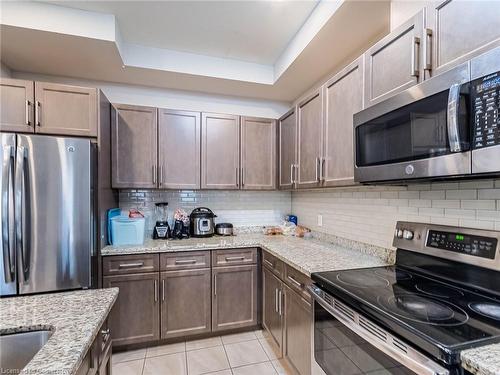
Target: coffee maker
pixel 162 229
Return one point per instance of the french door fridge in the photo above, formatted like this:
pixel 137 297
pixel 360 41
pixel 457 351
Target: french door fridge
pixel 46 214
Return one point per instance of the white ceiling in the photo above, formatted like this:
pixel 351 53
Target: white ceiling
pixel 260 49
pixel 253 31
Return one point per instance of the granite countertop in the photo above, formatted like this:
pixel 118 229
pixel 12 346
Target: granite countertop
pixel 73 317
pixel 305 255
pixel 482 361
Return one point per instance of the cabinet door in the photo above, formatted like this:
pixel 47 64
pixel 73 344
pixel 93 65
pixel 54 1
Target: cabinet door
pixel 179 149
pixel 136 313
pixel 220 151
pixel 185 302
pixel 310 120
pixel 16 103
pixel 65 110
pixel 460 31
pixel 393 64
pixel 258 162
pixel 134 147
pixel 343 98
pixel 234 297
pixel 287 128
pixel 298 331
pixel 272 318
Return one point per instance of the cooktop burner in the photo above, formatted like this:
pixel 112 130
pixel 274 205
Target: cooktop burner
pixel 488 309
pixel 363 281
pixel 439 290
pixel 424 309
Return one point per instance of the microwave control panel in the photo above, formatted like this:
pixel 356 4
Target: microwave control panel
pixel 485 105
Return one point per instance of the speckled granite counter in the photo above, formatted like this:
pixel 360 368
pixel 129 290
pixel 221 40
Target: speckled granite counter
pixel 306 255
pixel 482 361
pixel 73 317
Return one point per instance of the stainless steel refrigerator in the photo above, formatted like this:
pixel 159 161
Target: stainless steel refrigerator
pixel 46 213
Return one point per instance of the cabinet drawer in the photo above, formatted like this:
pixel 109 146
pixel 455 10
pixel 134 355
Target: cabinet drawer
pixel 123 264
pixel 297 281
pixel 185 260
pixel 273 264
pixel 230 257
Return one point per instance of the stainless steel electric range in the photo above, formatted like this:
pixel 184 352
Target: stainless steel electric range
pixel 441 297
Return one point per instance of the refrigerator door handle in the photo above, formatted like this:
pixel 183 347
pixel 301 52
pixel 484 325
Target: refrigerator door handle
pixel 20 187
pixel 7 244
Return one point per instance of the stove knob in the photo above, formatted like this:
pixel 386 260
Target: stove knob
pixel 408 234
pixel 399 233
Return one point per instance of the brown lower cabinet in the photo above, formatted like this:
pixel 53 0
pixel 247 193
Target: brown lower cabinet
pixel 185 302
pixel 272 314
pixel 97 361
pixel 135 318
pixel 234 297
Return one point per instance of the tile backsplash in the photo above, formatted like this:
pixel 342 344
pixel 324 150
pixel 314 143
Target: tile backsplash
pixel 241 208
pixel 369 213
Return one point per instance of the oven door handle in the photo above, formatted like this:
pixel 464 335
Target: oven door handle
pixel 412 359
pixel 452 118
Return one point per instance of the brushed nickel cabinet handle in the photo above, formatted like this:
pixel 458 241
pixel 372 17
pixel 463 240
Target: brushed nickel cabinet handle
pixel 156 291
pixel 291 174
pixel 28 103
pixel 428 50
pixel 414 70
pixel 37 113
pixel 161 175
pixel 316 168
pixel 242 176
pixel 131 265
pixel 237 177
pixel 234 259
pixel 163 290
pixel 154 174
pixel 280 302
pixel 185 261
pixel 276 308
pixel 271 264
pixel 322 169
pixel 215 284
pixel 295 282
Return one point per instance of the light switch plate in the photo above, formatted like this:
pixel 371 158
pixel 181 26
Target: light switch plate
pixel 320 220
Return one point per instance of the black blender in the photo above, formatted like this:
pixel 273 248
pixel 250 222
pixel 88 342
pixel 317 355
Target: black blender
pixel 162 229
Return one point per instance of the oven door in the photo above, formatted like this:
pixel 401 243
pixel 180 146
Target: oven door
pixel 346 343
pixel 423 132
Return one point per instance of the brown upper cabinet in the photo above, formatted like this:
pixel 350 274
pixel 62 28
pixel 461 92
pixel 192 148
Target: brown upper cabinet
pixel 220 151
pixel 179 149
pixel 134 151
pixel 48 108
pixel 459 30
pixel 258 150
pixel 394 63
pixel 17 99
pixel 310 130
pixel 343 98
pixel 287 134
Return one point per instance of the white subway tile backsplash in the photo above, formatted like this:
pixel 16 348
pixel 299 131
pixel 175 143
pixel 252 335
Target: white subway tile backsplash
pixel 357 214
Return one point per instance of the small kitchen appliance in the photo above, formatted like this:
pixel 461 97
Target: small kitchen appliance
pixel 202 222
pixel 441 297
pixel 162 229
pixel 224 229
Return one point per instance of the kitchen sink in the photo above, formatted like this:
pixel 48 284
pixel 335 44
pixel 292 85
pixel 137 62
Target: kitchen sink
pixel 17 349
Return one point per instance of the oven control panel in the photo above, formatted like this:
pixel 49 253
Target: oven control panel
pixel 485 106
pixel 484 247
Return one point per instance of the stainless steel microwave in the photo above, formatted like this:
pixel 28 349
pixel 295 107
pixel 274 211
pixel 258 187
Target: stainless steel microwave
pixel 445 127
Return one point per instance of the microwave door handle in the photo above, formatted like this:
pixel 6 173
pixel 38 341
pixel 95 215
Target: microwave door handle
pixel 452 118
pixel 413 360
pixel 7 244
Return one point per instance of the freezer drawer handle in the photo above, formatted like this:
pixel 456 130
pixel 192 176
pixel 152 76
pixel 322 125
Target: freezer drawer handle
pixel 7 244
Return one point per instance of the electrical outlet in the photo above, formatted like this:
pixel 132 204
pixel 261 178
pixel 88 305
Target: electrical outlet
pixel 320 220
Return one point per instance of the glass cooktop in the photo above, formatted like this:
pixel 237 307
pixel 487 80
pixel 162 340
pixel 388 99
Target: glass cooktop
pixel 425 310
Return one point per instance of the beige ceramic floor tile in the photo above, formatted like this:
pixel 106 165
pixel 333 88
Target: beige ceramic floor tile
pixel 272 350
pixel 261 333
pixel 282 368
pixel 171 364
pixel 245 353
pixel 206 360
pixel 203 343
pixel 155 351
pixel 129 355
pixel 129 367
pixel 265 368
pixel 223 372
pixel 238 337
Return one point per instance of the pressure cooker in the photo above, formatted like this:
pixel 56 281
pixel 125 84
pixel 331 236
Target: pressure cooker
pixel 202 222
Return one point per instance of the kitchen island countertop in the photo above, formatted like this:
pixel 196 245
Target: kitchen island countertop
pixel 73 317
